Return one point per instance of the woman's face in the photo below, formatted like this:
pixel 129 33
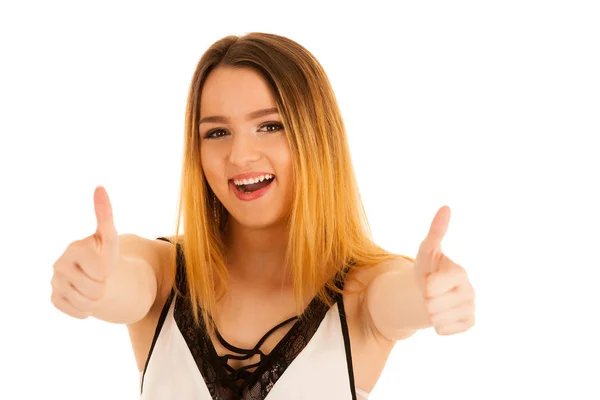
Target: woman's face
pixel 245 153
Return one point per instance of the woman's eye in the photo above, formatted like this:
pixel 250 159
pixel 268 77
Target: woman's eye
pixel 215 134
pixel 271 127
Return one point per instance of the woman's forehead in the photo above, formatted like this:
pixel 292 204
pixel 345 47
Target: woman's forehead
pixel 234 92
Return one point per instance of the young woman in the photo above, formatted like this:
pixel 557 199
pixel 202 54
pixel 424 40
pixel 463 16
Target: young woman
pixel 275 289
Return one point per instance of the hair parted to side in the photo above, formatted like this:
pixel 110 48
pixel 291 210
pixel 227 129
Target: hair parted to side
pixel 328 226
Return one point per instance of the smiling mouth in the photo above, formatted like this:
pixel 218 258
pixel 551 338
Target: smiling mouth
pixel 253 184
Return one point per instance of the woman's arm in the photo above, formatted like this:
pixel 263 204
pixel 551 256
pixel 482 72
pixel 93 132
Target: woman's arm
pixel 132 288
pixel 432 291
pixel 395 306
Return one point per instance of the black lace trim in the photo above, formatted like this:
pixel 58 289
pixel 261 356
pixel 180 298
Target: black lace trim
pixel 243 373
pixel 221 379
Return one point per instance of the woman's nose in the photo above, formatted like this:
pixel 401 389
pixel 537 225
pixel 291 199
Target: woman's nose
pixel 243 150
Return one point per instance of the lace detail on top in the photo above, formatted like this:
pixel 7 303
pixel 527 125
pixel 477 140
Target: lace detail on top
pixel 221 379
pixel 243 373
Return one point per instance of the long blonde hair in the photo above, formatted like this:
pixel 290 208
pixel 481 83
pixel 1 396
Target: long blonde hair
pixel 328 228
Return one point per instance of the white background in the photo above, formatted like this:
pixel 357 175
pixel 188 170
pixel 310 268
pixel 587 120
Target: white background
pixel 492 108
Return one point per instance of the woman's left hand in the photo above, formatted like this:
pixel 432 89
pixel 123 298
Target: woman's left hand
pixel 449 295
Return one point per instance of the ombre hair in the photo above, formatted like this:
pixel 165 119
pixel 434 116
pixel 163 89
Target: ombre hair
pixel 328 228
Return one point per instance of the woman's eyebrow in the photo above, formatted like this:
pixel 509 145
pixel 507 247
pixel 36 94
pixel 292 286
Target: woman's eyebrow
pixel 249 117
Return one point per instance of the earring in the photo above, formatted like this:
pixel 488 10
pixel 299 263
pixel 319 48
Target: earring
pixel 215 209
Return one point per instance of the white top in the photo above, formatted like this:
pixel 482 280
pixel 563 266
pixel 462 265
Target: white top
pixel 318 372
pixel 313 360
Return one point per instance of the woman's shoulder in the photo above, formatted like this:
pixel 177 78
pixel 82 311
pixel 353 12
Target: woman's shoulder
pixel 358 283
pixel 152 250
pixel 360 276
pixel 158 252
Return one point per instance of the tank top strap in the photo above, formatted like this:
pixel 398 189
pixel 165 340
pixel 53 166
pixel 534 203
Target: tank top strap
pixel 180 275
pixel 339 280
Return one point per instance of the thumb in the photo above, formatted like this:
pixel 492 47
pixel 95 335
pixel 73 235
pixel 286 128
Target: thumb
pixel 106 232
pixel 437 230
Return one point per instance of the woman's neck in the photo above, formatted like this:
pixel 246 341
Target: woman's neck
pixel 256 256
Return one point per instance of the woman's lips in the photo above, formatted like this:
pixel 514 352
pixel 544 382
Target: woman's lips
pixel 248 196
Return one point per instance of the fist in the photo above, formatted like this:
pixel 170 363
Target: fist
pixel 449 295
pixel 80 274
pixel 450 299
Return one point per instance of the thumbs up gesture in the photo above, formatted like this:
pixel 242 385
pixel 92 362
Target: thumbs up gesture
pixel 80 274
pixel 449 296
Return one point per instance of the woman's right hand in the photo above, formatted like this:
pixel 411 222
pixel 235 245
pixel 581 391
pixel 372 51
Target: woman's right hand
pixel 81 272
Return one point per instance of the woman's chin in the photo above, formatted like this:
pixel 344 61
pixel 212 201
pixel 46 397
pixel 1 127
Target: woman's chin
pixel 258 221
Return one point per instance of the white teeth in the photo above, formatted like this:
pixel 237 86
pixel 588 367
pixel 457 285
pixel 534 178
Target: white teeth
pixel 257 179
